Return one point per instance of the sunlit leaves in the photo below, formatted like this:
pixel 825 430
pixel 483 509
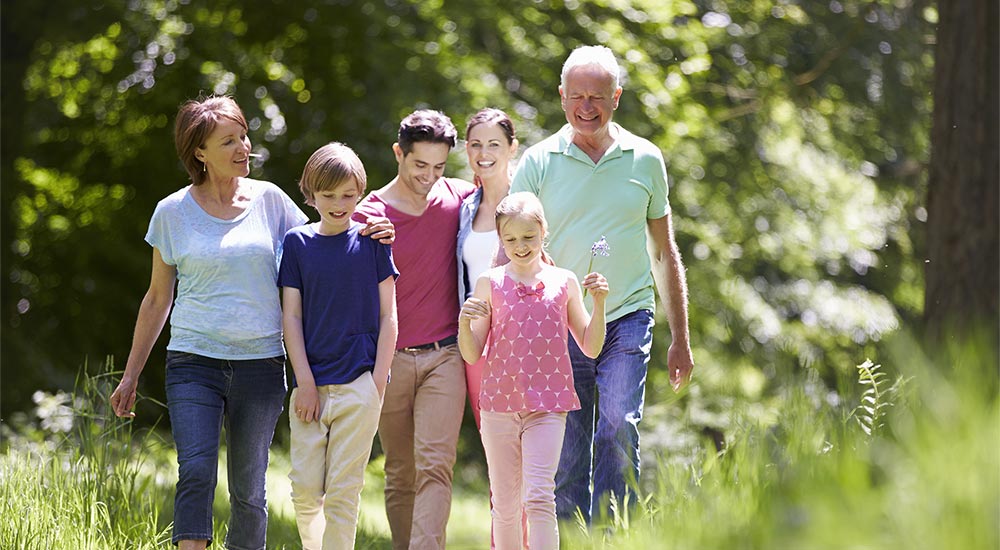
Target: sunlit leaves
pixel 60 203
pixel 73 72
pixel 795 132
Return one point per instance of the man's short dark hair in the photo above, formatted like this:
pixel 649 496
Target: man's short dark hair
pixel 426 125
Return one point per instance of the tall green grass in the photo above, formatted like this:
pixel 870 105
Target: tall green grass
pixel 75 477
pixel 918 467
pixel 907 456
pixel 79 479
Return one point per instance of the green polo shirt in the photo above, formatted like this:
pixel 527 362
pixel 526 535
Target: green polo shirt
pixel 584 200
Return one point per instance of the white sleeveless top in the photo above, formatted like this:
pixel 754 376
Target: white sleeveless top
pixel 477 253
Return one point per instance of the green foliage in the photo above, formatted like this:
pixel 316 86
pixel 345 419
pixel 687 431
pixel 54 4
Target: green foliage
pixel 78 478
pixel 870 414
pixel 795 134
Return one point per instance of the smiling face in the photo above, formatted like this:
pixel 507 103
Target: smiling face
pixel 489 150
pixel 226 151
pixel 422 167
pixel 589 98
pixel 336 206
pixel 521 237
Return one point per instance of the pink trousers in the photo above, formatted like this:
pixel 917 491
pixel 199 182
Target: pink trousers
pixel 473 381
pixel 522 454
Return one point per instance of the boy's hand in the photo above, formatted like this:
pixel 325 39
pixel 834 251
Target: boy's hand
pixel 306 407
pixel 381 229
pixel 596 285
pixel 474 308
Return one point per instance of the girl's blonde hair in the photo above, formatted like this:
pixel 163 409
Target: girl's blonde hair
pixel 524 205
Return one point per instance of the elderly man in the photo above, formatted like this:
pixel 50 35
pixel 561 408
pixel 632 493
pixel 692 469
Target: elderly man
pixel 596 179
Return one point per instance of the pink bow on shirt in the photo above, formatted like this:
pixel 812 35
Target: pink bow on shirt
pixel 524 290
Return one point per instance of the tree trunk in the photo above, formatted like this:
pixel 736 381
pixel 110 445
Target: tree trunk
pixel 963 234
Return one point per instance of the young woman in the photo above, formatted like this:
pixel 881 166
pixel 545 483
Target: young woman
pixel 490 143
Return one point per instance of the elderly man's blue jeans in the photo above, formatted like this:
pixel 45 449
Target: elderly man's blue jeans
pixel 607 456
pixel 203 395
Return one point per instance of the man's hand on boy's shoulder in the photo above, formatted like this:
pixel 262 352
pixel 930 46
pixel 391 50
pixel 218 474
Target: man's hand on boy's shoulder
pixel 380 229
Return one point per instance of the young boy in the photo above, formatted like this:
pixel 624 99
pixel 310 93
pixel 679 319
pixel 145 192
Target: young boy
pixel 339 317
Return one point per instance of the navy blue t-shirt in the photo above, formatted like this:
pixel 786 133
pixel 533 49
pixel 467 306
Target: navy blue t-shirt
pixel 338 276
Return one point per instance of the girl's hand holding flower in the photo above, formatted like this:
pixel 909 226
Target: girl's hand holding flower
pixel 600 248
pixel 597 285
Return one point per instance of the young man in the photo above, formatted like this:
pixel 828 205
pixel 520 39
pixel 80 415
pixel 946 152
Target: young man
pixel 596 179
pixel 425 398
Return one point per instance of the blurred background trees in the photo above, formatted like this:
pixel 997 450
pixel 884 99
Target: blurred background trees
pixel 797 135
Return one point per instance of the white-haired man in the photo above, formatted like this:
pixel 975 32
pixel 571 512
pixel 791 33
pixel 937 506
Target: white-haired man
pixel 596 179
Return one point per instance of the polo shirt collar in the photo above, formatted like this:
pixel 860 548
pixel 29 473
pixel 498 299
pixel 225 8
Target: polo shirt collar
pixel 564 143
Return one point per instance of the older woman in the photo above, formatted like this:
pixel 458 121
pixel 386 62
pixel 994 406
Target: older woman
pixel 218 239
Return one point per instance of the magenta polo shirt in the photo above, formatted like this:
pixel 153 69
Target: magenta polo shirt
pixel 424 252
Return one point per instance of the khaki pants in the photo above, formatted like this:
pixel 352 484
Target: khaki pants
pixel 522 453
pixel 328 463
pixel 421 417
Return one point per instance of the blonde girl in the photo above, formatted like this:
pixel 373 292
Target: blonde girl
pixel 525 309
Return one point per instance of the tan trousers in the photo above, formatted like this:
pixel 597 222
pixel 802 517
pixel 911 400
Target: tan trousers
pixel 328 463
pixel 421 416
pixel 522 454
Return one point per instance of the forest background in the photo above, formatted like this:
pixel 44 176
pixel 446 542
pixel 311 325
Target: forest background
pixel 798 137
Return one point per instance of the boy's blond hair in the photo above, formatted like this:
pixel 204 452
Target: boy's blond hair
pixel 329 167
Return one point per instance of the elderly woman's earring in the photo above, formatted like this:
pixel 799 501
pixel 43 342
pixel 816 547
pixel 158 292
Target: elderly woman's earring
pixel 204 167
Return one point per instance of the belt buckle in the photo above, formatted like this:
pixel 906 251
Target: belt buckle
pixel 423 347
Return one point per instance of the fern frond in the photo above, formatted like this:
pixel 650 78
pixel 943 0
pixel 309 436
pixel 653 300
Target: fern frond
pixel 870 411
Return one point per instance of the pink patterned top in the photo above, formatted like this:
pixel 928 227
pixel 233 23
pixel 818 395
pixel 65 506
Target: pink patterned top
pixel 527 360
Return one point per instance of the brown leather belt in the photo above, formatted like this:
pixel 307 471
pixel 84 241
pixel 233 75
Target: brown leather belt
pixel 433 345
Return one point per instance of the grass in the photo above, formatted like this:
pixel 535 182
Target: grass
pixel 78 478
pixel 51 504
pixel 809 476
pixel 818 477
pixel 82 480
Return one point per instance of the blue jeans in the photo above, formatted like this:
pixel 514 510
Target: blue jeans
pixel 203 394
pixel 614 384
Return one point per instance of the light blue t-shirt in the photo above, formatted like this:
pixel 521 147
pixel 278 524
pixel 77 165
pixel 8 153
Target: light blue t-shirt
pixel 227 304
pixel 613 197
